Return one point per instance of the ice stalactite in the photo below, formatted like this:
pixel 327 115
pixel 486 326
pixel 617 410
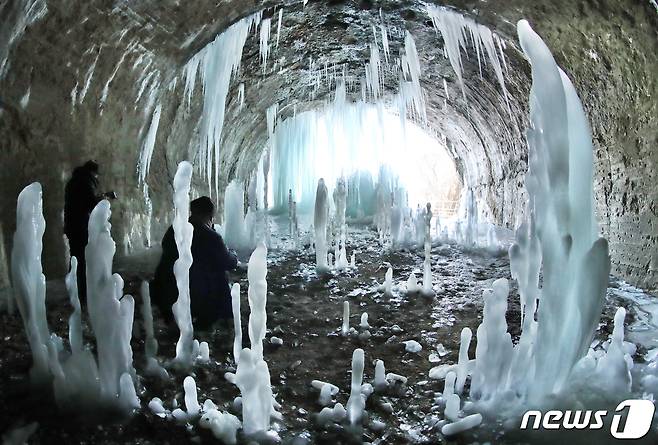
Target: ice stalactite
pixel 183 232
pixel 385 44
pixel 28 279
pixel 148 145
pixel 411 93
pixel 216 62
pixel 265 28
pixel 278 27
pixel 471 234
pixel 372 79
pixel 320 221
pixel 455 30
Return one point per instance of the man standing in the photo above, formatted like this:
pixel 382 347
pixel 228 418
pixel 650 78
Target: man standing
pixel 80 198
pixel 210 296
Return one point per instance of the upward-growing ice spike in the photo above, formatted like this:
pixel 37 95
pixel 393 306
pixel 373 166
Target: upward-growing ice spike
pixel 28 279
pixel 183 232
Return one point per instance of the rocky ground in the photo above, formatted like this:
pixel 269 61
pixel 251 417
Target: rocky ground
pixel 306 312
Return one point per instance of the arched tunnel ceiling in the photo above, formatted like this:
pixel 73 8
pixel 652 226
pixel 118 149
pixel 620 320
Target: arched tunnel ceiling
pixel 82 81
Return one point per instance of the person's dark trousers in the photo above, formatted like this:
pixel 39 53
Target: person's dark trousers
pixel 77 249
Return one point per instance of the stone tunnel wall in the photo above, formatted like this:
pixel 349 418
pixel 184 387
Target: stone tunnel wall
pixel 608 48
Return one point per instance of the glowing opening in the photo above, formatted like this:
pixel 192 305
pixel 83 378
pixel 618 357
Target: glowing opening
pixel 361 139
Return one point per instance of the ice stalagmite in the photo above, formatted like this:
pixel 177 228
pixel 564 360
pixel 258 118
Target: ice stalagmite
pixel 253 379
pixel 183 232
pixel 345 329
pixel 575 276
pixel 28 279
pixel 356 403
pixel 75 320
pixel 150 342
pixel 110 312
pixel 340 201
pixel 237 323
pixel 320 224
pixel 257 293
pixel 234 222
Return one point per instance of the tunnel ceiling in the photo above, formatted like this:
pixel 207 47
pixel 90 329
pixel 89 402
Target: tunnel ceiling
pixel 82 80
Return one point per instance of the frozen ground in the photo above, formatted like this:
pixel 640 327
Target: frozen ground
pixel 305 311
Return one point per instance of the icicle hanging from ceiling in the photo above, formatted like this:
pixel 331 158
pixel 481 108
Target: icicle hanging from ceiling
pixel 265 28
pixel 216 62
pixel 455 28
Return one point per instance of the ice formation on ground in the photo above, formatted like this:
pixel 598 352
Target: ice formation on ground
pixel 150 342
pixel 183 232
pixel 77 378
pixel 575 273
pixel 252 376
pixel 320 224
pixel 237 322
pixel 356 403
pixel 257 296
pixel 345 329
pixel 110 312
pixel 29 281
pixel 216 62
pixel 455 29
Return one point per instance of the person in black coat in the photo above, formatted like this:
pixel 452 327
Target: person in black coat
pixel 80 198
pixel 210 295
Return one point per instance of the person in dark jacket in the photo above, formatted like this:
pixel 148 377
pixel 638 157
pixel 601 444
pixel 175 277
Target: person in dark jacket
pixel 80 198
pixel 210 296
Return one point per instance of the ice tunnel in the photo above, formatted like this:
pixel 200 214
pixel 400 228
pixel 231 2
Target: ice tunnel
pixel 401 102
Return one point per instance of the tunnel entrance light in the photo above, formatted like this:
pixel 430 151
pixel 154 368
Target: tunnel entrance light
pixel 360 142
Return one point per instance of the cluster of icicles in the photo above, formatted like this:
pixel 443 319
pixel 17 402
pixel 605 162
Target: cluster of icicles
pixel 217 62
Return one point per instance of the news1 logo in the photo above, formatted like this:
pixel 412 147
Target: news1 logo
pixel 639 415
